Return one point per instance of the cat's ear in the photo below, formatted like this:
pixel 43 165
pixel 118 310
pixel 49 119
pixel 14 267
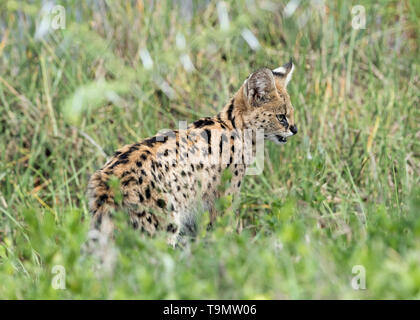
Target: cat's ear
pixel 285 72
pixel 259 87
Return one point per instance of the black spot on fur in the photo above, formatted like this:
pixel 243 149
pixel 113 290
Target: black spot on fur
pixel 127 181
pixel 147 193
pixel 221 122
pixel 103 184
pixel 230 110
pixel 203 122
pixel 124 155
pixel 134 147
pixel 101 200
pixel 161 203
pixel 118 162
pixel 125 173
pixel 151 141
pixel 208 134
pixel 171 228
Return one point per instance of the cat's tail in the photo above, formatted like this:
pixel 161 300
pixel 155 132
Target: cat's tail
pixel 99 242
pixel 101 200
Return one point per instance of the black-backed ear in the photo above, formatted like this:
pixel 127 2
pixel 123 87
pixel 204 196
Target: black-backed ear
pixel 285 72
pixel 259 87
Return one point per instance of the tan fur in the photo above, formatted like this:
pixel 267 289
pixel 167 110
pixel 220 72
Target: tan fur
pixel 166 180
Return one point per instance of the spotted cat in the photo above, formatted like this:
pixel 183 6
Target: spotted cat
pixel 166 180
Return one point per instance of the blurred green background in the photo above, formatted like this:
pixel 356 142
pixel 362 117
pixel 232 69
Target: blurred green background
pixel 343 192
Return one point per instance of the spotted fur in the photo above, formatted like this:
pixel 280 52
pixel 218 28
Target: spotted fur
pixel 166 180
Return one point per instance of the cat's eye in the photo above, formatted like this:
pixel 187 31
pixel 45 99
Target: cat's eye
pixel 282 119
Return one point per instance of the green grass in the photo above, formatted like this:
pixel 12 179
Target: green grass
pixel 343 192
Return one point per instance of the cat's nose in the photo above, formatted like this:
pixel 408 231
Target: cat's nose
pixel 293 129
